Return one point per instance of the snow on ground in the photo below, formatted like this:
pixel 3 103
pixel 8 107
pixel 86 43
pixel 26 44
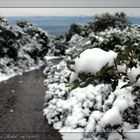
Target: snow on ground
pixel 4 77
pixel 11 71
pixel 94 108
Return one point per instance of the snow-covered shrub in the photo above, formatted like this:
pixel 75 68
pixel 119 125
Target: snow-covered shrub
pixel 109 39
pixel 115 39
pixel 74 29
pixel 98 24
pixel 16 51
pixel 121 106
pixel 57 45
pixel 62 104
pixel 57 76
pixel 24 46
pixel 103 97
pixel 8 43
pixel 36 34
pixel 106 20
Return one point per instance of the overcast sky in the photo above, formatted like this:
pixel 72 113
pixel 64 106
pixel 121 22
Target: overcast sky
pixel 65 11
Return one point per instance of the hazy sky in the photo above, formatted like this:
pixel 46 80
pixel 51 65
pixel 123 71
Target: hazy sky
pixel 65 11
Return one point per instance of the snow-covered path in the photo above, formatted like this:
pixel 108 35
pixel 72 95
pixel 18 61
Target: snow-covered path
pixel 21 105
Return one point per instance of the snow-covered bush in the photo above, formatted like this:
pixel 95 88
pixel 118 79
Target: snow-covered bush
pixel 121 106
pixel 60 101
pixel 103 93
pixel 106 20
pixel 36 34
pixel 74 29
pixel 23 47
pixel 98 24
pixel 109 39
pixel 57 45
pixel 17 51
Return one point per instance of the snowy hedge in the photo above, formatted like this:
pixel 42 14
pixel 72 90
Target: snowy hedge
pixel 23 47
pixel 106 20
pixel 99 92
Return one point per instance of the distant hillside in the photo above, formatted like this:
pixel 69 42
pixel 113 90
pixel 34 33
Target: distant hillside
pixel 53 25
pixel 58 25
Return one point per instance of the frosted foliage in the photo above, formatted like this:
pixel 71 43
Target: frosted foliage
pixel 23 48
pixel 96 108
pixel 85 109
pixel 70 109
pixel 76 38
pixel 111 117
pixel 132 75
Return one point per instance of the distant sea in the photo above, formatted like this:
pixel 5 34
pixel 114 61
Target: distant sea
pixel 59 25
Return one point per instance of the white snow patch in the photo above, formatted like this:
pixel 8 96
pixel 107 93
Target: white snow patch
pixel 4 77
pixel 75 38
pixel 111 117
pixel 95 116
pixel 124 99
pixel 47 58
pixel 92 60
pixel 132 75
pixel 121 68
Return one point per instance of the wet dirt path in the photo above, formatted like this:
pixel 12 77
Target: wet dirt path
pixel 21 105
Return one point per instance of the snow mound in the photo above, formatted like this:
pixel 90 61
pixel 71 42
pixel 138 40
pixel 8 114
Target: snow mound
pixel 92 60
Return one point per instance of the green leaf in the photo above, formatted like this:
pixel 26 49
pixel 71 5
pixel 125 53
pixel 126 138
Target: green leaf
pixel 69 65
pixel 75 84
pixel 138 76
pixel 89 80
pixel 105 66
pixel 114 85
pixel 69 85
pixel 82 76
pixel 71 62
pixel 135 89
pixel 131 64
pixel 84 84
pixel 126 85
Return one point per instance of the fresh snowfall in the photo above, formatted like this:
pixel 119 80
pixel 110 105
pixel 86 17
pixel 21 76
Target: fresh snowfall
pixel 93 91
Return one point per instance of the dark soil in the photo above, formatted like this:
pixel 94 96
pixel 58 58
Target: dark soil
pixel 21 109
